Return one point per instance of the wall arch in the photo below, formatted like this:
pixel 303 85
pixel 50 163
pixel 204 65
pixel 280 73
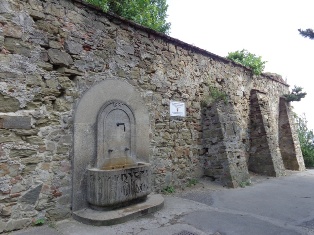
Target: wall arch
pixel 85 130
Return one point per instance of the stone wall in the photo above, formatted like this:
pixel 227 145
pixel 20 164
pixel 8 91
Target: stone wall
pixel 54 51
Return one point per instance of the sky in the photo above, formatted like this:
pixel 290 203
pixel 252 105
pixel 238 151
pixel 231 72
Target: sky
pixel 266 28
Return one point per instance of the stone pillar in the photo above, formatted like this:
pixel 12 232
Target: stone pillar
pixel 288 139
pixel 222 139
pixel 265 157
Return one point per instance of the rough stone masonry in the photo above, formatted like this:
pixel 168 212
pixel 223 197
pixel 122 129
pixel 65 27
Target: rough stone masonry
pixel 53 51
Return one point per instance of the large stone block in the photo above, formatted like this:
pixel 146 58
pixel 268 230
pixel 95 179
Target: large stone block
pixel 58 213
pixel 37 15
pixel 17 224
pixel 8 136
pixel 15 122
pixel 73 47
pixel 58 57
pixel 18 46
pixel 32 195
pixel 8 104
pixel 22 153
pixel 11 30
pixel 5 7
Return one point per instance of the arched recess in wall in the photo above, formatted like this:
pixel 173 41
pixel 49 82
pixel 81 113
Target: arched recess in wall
pixel 286 143
pixel 85 130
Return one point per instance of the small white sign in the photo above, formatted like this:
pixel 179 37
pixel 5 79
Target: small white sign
pixel 177 109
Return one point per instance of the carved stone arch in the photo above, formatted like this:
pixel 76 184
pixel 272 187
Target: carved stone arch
pixel 85 130
pixel 110 145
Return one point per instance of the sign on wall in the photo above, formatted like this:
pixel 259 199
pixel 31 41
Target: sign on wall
pixel 177 109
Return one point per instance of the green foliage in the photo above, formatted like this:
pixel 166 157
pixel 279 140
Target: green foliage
pixel 308 33
pixel 248 59
pixel 215 95
pixel 306 138
pixel 149 13
pixel 169 190
pixel 296 94
pixel 39 222
pixel 243 184
pixel 192 182
pixel 99 3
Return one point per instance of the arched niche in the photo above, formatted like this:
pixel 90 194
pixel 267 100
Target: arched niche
pixel 85 130
pixel 115 136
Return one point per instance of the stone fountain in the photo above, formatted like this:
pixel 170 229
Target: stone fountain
pixel 118 179
pixel 116 184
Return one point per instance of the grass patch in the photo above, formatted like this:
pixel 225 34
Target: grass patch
pixel 169 190
pixel 243 184
pixel 192 182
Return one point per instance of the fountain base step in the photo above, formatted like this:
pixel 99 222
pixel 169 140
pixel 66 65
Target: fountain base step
pixel 153 203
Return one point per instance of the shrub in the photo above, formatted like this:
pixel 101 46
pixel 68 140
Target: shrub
pixel 306 138
pixel 248 59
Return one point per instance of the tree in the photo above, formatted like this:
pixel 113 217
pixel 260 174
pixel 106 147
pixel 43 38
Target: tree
pixel 149 13
pixel 296 94
pixel 308 33
pixel 248 59
pixel 306 138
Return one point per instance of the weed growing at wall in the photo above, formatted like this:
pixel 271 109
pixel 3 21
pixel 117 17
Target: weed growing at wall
pixel 243 184
pixel 168 190
pixel 215 95
pixel 192 182
pixel 218 95
pixel 39 222
pixel 248 59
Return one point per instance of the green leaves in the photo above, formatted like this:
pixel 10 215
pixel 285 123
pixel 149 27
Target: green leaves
pixel 103 4
pixel 296 94
pixel 149 13
pixel 169 190
pixel 306 138
pixel 215 95
pixel 248 59
pixel 39 222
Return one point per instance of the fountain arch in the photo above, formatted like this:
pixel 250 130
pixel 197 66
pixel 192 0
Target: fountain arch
pixel 87 111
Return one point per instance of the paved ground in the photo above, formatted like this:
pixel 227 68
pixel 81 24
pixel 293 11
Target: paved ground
pixel 272 206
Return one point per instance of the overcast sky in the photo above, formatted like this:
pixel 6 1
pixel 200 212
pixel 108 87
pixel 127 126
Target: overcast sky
pixel 266 28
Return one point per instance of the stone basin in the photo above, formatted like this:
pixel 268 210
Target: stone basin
pixel 113 188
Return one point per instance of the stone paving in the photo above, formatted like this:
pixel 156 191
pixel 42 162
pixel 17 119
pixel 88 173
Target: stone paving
pixel 270 206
